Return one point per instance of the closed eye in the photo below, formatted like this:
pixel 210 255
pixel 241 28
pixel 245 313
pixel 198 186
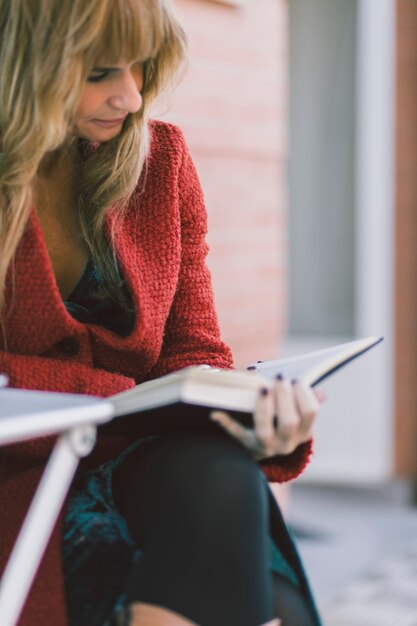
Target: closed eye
pixel 100 73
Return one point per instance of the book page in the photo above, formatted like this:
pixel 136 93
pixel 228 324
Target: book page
pixel 315 366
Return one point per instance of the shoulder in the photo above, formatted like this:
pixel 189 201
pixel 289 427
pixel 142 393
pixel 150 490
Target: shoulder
pixel 167 137
pixel 170 172
pixel 169 157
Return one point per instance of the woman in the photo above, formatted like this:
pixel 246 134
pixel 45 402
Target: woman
pixel 103 284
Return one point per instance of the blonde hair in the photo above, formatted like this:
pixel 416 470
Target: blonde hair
pixel 47 50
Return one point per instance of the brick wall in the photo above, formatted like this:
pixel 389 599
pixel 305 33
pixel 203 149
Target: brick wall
pixel 231 105
pixel 406 240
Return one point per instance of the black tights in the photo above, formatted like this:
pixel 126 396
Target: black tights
pixel 198 508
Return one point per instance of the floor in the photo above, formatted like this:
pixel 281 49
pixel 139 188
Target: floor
pixel 360 550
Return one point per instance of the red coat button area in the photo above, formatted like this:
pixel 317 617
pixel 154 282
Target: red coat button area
pixel 68 346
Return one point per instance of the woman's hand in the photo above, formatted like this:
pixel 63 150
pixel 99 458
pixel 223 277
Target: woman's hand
pixel 283 419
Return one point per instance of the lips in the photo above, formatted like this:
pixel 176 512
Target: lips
pixel 110 123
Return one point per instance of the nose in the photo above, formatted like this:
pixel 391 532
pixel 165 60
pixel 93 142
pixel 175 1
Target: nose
pixel 127 96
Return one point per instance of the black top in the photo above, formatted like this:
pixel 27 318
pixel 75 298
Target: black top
pixel 86 306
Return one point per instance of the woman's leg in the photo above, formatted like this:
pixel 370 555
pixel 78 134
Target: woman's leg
pixel 151 615
pixel 198 507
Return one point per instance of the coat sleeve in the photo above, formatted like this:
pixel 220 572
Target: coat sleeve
pixel 192 334
pixel 281 469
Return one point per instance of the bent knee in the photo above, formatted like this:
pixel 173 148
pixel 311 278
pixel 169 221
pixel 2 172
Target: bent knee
pixel 213 466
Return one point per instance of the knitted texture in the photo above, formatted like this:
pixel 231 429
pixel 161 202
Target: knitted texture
pixel 161 251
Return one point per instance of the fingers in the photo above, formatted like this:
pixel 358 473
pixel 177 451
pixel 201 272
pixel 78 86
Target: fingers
pixel 288 418
pixel 308 405
pixel 320 395
pixel 283 418
pixel 265 420
pixel 294 406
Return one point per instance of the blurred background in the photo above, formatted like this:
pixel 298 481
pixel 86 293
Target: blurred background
pixel 300 116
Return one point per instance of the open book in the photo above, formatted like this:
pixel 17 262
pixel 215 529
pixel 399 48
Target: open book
pixel 184 398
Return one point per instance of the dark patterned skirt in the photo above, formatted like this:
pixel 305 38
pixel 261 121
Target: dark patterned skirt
pixel 99 551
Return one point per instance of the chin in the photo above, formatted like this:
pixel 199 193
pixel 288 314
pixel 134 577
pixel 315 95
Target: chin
pixel 97 135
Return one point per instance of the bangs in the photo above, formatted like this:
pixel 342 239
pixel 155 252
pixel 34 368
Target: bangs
pixel 132 30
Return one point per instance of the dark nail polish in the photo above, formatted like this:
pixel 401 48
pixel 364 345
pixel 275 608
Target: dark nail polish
pixel 259 361
pixel 280 376
pixel 264 391
pixel 294 381
pixel 251 367
pixel 275 422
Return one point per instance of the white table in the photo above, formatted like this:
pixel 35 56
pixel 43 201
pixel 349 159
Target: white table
pixel 27 415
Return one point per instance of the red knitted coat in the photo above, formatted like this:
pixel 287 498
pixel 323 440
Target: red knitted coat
pixel 161 252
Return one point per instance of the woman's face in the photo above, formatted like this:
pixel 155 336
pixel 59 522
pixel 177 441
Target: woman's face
pixel 111 93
